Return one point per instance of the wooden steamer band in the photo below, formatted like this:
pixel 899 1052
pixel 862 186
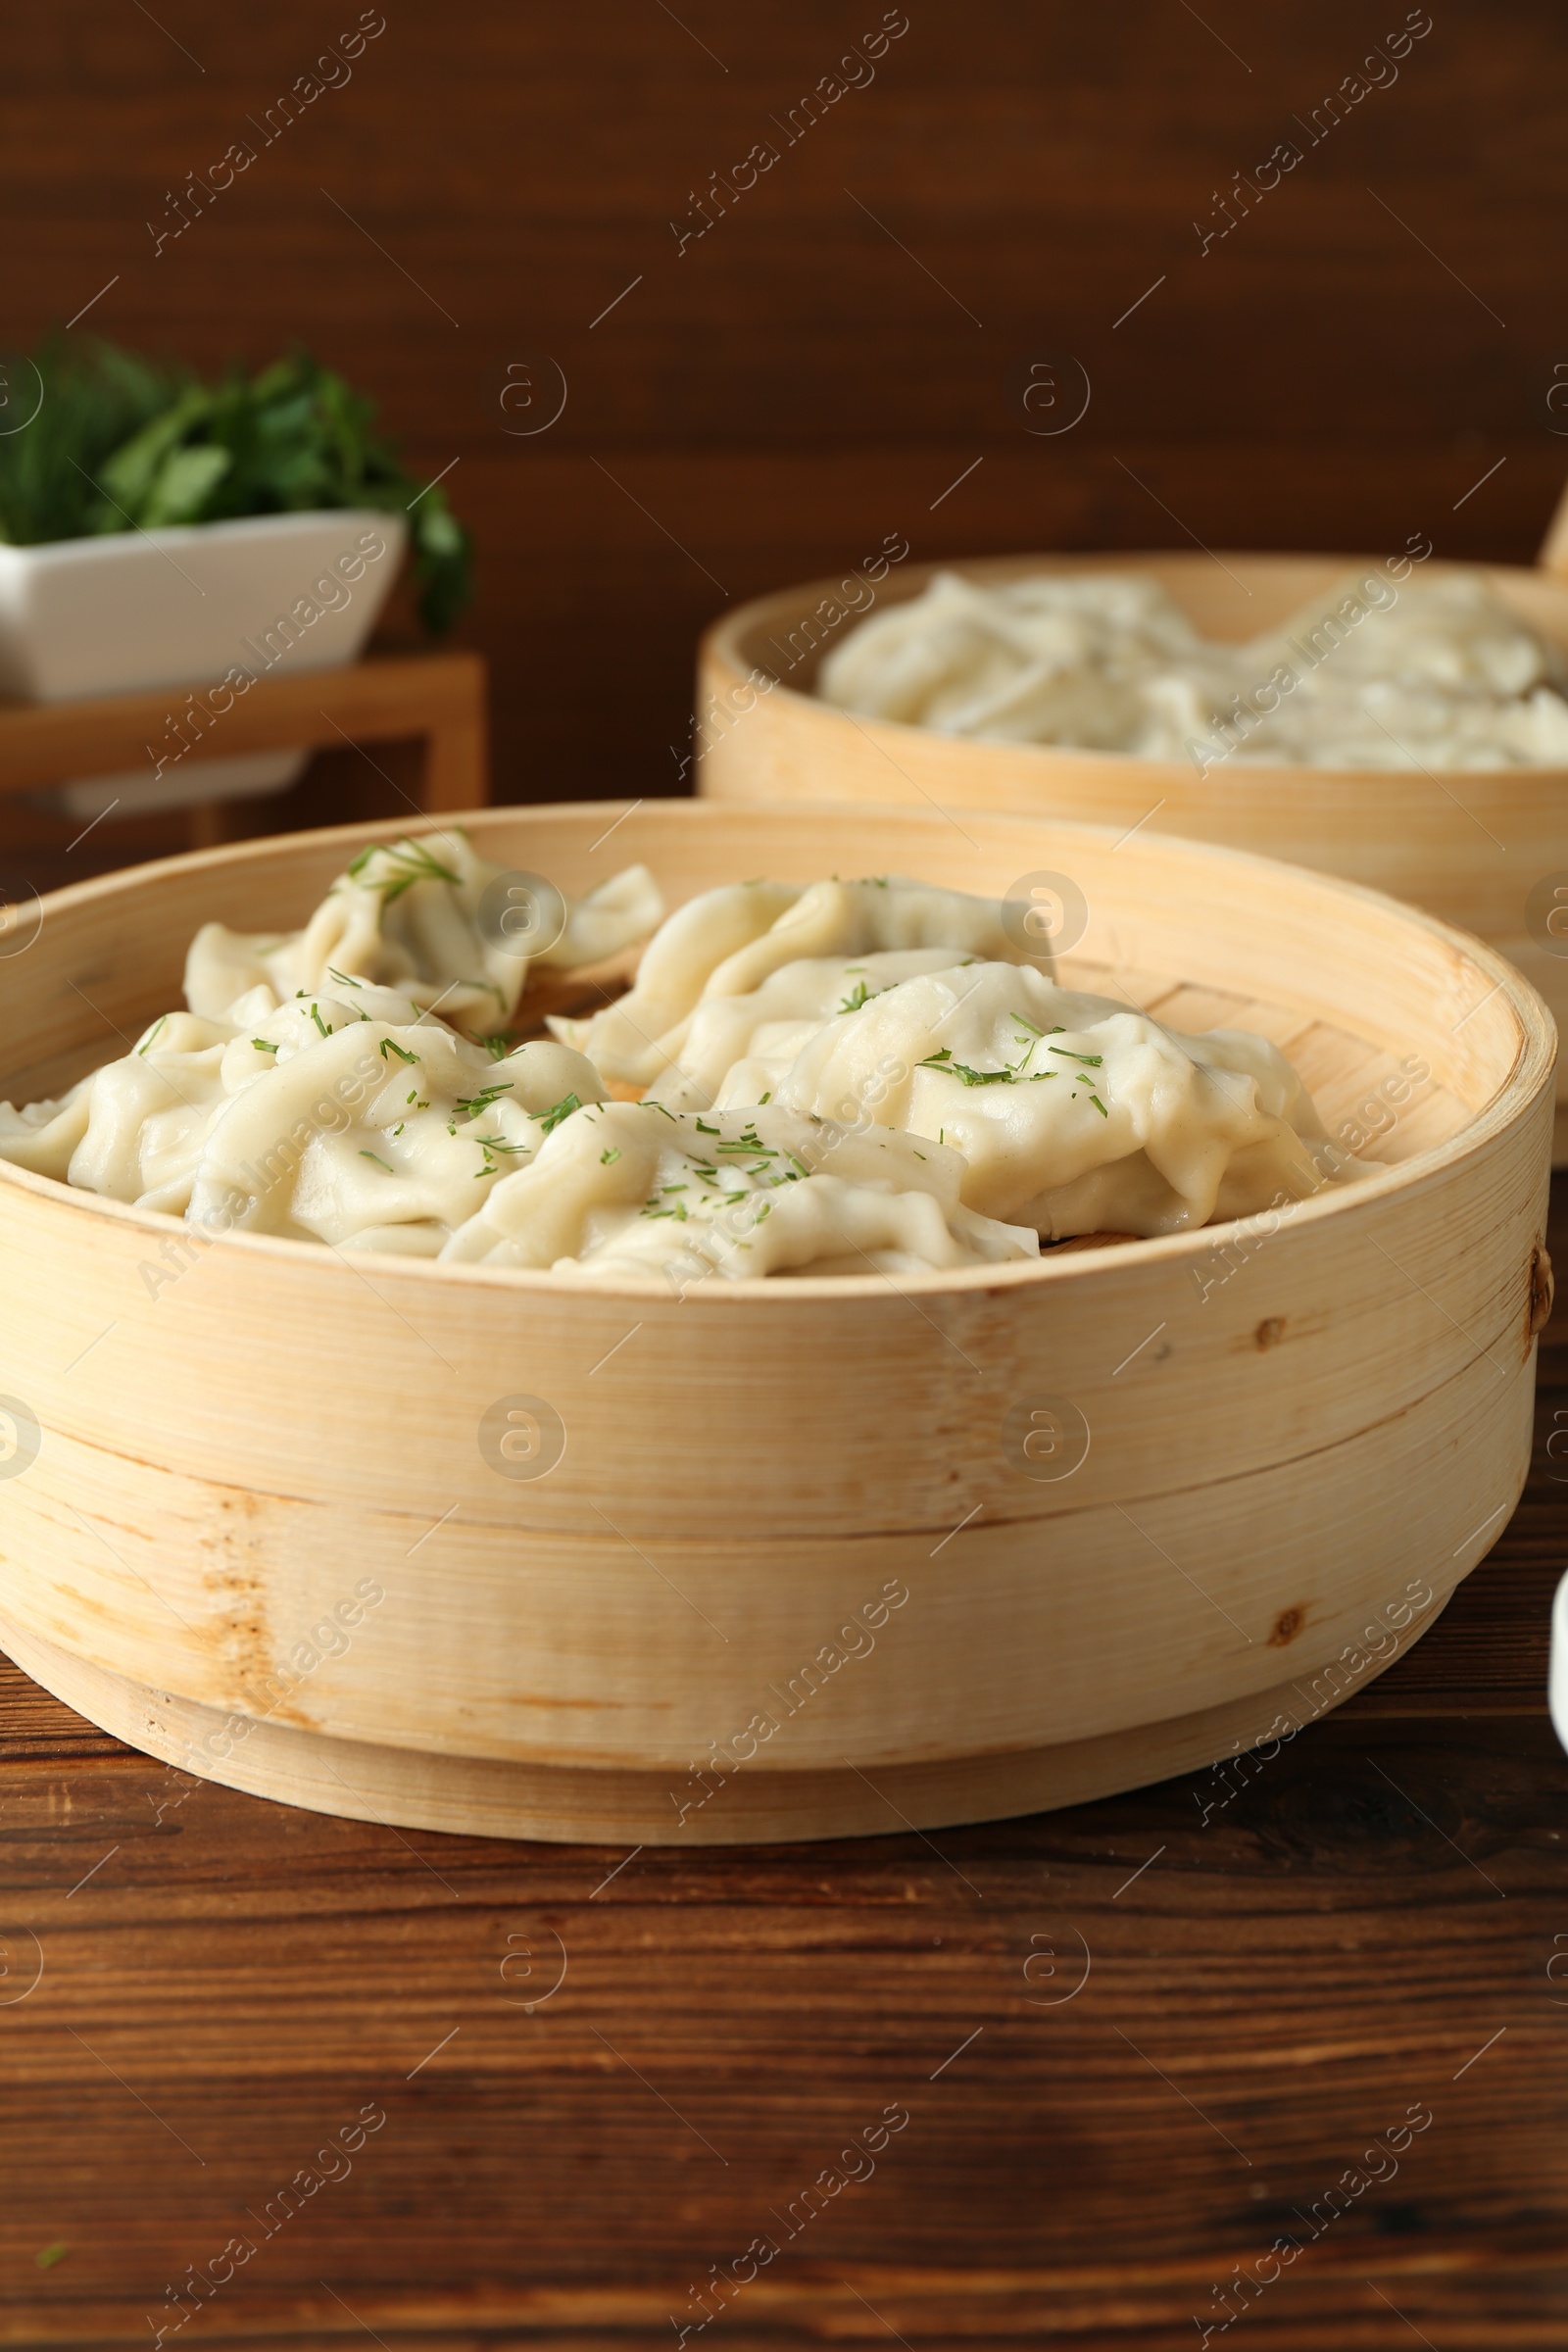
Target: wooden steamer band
pixel 1470 847
pixel 787 1503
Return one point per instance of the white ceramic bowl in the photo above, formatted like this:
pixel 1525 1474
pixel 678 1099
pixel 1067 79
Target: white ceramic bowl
pixel 179 608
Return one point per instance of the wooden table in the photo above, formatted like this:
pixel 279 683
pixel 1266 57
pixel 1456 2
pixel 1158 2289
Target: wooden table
pixel 456 2094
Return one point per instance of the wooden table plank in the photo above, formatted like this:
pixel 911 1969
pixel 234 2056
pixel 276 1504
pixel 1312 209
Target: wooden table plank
pixel 602 2075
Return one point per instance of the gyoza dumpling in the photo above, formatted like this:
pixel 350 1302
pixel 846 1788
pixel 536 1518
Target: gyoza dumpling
pixel 410 916
pixel 728 942
pixel 630 1190
pixel 1072 1113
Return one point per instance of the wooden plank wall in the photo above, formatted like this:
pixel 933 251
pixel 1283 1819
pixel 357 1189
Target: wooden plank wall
pixel 818 368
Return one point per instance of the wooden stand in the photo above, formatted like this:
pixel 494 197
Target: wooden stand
pixel 439 697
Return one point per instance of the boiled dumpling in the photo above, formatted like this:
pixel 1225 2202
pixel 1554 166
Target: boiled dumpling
pixel 774 1021
pixel 354 1120
pixel 728 942
pixel 1072 1114
pixel 410 915
pixel 631 1190
pixel 1051 659
pixel 1441 672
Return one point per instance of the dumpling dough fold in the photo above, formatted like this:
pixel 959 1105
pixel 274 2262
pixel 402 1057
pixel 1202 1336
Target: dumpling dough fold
pixel 355 1120
pixel 1072 1114
pixel 728 942
pixel 413 916
pixel 631 1190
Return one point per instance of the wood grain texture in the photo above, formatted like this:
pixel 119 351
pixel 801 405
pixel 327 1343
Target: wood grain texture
pixel 1286 1428
pixel 1304 1961
pixel 807 376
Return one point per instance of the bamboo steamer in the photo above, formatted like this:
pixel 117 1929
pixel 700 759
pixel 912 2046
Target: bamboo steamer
pixel 260 1538
pixel 1470 846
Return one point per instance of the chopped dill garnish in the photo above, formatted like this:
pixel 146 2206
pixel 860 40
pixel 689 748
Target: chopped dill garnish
pixel 162 1022
pixel 380 1163
pixel 315 1015
pixel 648 1105
pixel 389 1045
pixel 1090 1062
pixel 1098 1105
pixel 768 1098
pixel 606 1157
pixel 859 995
pixel 551 1120
pixel 415 863
pixel 960 1070
pixel 473 1105
pixel 703 1128
pixel 497 1047
pixel 347 980
pixel 263 1044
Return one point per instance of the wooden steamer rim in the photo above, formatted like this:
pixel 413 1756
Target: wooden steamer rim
pixel 205 1477
pixel 1532 1026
